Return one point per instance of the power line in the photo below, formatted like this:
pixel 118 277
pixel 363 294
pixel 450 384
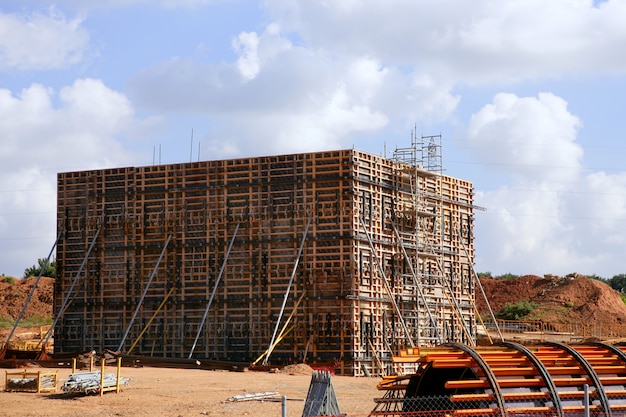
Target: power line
pixel 492 213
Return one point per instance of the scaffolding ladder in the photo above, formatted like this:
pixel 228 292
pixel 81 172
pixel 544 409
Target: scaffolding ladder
pixel 428 303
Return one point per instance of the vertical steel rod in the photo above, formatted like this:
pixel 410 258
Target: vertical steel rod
pixel 69 292
pixel 32 290
pixel 586 399
pixel 283 401
pixel 293 274
pixel 145 291
pixel 418 284
pixel 208 306
pixel 386 285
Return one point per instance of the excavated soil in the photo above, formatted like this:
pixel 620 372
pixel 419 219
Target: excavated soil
pixel 576 299
pixel 13 297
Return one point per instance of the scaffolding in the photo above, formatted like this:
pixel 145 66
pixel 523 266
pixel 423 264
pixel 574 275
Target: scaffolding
pixel 203 258
pixel 438 293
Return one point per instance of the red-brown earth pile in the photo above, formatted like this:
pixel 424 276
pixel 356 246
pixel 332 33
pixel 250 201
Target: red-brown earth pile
pixel 575 299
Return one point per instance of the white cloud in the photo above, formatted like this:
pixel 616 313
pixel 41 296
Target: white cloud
pixel 94 106
pixel 537 228
pixel 255 50
pixel 293 98
pixel 246 45
pixel 41 138
pixel 400 60
pixel 308 76
pixel 41 41
pixel 335 118
pixel 519 225
pixel 469 42
pixel 552 215
pixel 532 138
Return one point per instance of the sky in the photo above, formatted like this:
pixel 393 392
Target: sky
pixel 528 95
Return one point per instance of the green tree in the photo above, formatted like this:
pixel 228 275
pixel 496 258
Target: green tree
pixel 9 280
pixel 516 311
pixel 596 277
pixel 618 282
pixel 507 276
pixel 484 274
pixel 49 271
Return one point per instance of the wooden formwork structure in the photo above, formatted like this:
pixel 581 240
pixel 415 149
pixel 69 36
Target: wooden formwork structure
pixel 202 258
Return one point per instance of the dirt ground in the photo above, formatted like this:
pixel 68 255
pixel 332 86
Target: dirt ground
pixel 189 392
pixel 184 392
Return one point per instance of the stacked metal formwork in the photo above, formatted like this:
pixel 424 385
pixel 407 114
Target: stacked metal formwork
pixel 198 259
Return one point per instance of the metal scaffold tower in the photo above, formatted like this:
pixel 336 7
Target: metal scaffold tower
pixel 427 255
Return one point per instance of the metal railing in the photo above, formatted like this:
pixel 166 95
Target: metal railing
pixel 571 331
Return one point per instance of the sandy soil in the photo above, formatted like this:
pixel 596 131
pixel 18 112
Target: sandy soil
pixel 184 392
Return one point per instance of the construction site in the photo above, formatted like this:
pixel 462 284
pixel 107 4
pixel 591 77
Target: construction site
pixel 339 257
pixel 335 263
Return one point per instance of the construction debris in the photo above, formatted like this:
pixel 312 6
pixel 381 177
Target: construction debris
pixel 89 383
pixel 31 381
pixel 253 396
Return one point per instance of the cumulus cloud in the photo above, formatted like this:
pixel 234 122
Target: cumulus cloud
pixel 552 214
pixel 292 98
pixel 246 45
pixel 253 50
pixel 471 42
pixel 41 41
pixel 310 76
pixel 285 79
pixel 81 131
pixel 534 137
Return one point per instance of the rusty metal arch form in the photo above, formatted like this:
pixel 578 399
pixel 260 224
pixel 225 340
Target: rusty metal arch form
pixel 613 349
pixel 604 401
pixel 491 378
pixel 543 372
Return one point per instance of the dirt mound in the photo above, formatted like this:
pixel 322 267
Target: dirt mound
pixel 574 298
pixel 296 369
pixel 13 297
